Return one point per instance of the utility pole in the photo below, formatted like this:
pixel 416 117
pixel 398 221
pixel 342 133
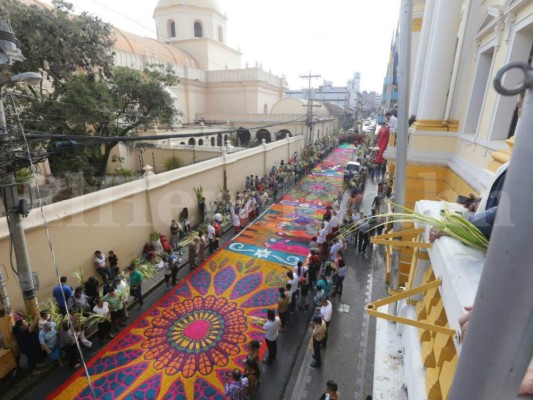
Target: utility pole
pixel 15 208
pixel 403 129
pixel 309 119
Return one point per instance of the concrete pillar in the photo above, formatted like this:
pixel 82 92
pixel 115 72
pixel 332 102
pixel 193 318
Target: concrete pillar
pixel 439 61
pixel 421 56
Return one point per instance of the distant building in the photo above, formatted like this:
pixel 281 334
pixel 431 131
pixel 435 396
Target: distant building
pixel 342 96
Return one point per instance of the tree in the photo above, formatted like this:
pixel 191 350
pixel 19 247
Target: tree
pixel 83 92
pixel 117 106
pixel 60 44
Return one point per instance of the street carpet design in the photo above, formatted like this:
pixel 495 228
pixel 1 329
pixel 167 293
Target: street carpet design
pixel 182 347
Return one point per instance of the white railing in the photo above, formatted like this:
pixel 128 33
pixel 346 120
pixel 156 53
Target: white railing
pixel 246 74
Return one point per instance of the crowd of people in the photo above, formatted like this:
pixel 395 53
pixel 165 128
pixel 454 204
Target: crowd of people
pixel 102 300
pixel 54 334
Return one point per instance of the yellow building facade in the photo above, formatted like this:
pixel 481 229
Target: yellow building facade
pixel 464 129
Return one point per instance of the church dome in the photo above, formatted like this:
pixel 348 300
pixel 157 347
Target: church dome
pixel 212 4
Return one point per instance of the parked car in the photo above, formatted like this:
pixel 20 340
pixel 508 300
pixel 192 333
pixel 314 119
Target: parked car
pixel 351 169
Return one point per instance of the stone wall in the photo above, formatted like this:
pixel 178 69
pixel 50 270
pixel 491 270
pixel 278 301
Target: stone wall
pixel 121 218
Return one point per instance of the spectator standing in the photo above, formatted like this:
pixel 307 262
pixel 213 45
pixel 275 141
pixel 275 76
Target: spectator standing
pixel 44 317
pixel 67 339
pixel 271 335
pixel 201 208
pixel 113 263
pixel 326 312
pixel 100 264
pixel 364 229
pixel 237 389
pixel 27 337
pixel 123 288
pixel 251 372
pixel 104 325
pixel 319 332
pixel 167 272
pixel 115 307
pixel 174 234
pixel 341 274
pixel 283 307
pixel 92 287
pixel 79 302
pixel 304 291
pixel 293 281
pixel 332 392
pixel 62 292
pixel 135 284
pixel 211 233
pixel 184 219
pixel 194 245
pixel 49 341
pixel 203 245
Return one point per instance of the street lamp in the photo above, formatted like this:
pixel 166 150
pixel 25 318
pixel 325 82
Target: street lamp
pixel 15 208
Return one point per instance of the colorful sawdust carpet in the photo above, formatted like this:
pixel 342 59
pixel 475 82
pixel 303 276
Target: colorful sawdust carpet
pixel 182 347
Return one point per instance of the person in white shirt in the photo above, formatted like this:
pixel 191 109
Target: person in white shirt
pixel 271 329
pixel 334 249
pixel 326 311
pixel 293 280
pixel 392 121
pixel 334 223
pixel 211 237
pixel 104 325
pixel 236 223
pixel 322 233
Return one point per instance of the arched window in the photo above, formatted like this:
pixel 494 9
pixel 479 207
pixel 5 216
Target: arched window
pixel 220 34
pixel 192 141
pixel 213 141
pixel 171 29
pixel 201 142
pixel 198 29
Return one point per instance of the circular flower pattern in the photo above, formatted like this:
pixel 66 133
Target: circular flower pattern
pixel 195 336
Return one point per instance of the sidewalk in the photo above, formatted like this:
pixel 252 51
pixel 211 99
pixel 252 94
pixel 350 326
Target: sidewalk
pixel 349 356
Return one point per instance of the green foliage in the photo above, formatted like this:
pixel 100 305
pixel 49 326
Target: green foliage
pixel 172 163
pixel 61 44
pixel 78 275
pixel 104 100
pixel 126 173
pixel 23 175
pixel 199 193
pixel 154 236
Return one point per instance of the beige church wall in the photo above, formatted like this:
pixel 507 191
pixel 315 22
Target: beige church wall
pixel 222 57
pixel 229 98
pixel 186 156
pixel 121 226
pixel 121 218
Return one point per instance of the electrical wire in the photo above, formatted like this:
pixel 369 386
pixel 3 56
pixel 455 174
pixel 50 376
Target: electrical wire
pixel 53 254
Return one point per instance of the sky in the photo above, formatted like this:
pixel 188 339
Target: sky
pixel 333 38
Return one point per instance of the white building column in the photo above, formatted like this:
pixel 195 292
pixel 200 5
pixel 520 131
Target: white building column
pixel 439 63
pixel 418 74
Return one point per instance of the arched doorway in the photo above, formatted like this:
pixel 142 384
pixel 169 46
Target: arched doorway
pixel 212 142
pixel 283 134
pixel 243 136
pixel 263 134
pixel 192 141
pixel 201 142
pixel 182 143
pixel 225 139
pixel 219 140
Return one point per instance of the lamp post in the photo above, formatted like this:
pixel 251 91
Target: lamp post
pixel 16 208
